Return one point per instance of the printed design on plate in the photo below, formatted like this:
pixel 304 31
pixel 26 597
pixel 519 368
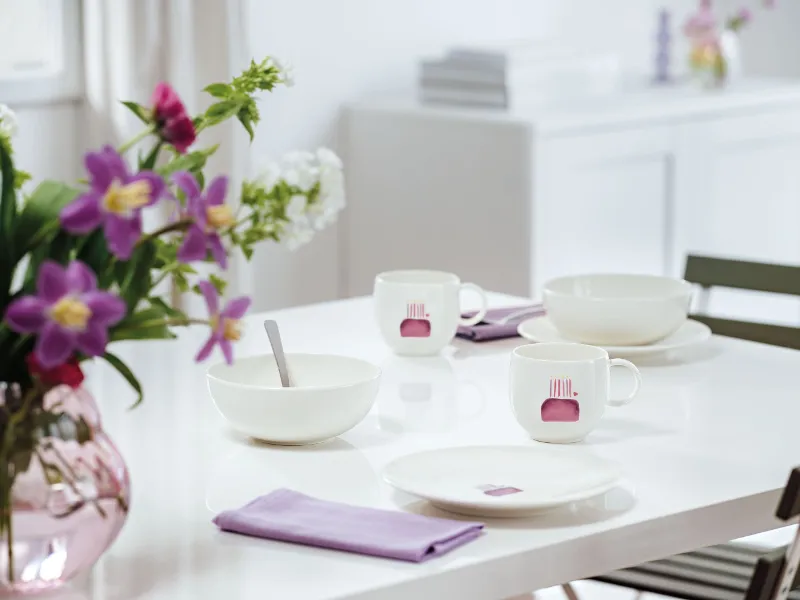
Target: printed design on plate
pixel 416 323
pixel 561 406
pixel 498 490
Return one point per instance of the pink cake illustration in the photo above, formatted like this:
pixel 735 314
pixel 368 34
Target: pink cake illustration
pixel 561 406
pixel 416 323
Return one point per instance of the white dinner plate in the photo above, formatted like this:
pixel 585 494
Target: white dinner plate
pixel 502 481
pixel 541 329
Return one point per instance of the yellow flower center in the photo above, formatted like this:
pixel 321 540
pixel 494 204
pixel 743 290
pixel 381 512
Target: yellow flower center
pixel 219 216
pixel 122 199
pixel 70 312
pixel 231 328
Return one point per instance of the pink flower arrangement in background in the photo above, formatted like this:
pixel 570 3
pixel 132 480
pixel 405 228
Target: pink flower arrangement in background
pixel 708 42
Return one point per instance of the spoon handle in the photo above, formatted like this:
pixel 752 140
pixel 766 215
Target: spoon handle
pixel 274 336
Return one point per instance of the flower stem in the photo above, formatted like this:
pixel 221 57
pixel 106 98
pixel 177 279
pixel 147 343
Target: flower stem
pixel 6 478
pixel 135 140
pixel 181 225
pixel 9 535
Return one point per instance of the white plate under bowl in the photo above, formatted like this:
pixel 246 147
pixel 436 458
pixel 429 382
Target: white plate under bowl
pixel 541 329
pixel 502 481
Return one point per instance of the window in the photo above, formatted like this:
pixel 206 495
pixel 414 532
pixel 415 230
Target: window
pixel 40 51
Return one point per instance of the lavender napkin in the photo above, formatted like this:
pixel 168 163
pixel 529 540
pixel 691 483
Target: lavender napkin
pixel 289 516
pixel 490 328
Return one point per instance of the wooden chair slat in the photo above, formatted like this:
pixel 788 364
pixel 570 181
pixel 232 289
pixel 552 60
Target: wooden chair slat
pixel 766 575
pixel 789 504
pixel 775 335
pixel 668 586
pixel 746 275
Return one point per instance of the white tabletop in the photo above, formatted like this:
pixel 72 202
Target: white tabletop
pixel 705 448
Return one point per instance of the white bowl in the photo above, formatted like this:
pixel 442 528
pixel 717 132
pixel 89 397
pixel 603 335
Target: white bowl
pixel 330 395
pixel 617 310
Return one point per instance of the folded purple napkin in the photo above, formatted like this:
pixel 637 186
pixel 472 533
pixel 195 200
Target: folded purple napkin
pixel 289 516
pixel 490 328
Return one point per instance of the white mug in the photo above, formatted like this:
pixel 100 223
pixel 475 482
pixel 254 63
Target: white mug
pixel 559 392
pixel 419 312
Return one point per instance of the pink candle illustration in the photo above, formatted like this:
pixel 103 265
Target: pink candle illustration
pixel 561 406
pixel 416 323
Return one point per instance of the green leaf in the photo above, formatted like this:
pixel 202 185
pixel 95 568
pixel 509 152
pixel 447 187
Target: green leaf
pixel 139 110
pixel 191 161
pixel 219 283
pixel 147 324
pixel 93 251
pixel 221 111
pixel 22 460
pixel 126 372
pixel 244 119
pixel 8 218
pixel 149 162
pixel 21 178
pixel 135 275
pixel 39 218
pixel 219 90
pixel 171 312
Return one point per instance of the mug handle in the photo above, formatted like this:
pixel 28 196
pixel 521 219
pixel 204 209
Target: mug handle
pixel 477 318
pixel 620 362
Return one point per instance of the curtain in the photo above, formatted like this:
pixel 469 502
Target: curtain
pixel 130 45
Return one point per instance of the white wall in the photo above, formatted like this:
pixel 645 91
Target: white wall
pixel 49 144
pixel 347 49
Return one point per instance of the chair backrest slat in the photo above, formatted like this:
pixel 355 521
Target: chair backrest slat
pixel 761 277
pixel 789 505
pixel 776 335
pixel 776 573
pixel 739 274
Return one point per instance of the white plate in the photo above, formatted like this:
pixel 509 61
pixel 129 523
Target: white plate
pixel 541 329
pixel 502 481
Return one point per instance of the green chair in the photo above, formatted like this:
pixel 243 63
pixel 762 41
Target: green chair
pixel 734 570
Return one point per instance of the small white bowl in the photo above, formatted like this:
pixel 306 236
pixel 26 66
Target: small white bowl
pixel 617 310
pixel 330 395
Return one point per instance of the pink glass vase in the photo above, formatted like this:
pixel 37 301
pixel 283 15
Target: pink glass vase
pixel 69 504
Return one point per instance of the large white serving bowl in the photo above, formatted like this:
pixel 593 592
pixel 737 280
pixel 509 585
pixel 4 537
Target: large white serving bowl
pixel 617 310
pixel 330 395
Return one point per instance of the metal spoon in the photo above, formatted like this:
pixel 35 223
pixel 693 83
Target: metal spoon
pixel 271 327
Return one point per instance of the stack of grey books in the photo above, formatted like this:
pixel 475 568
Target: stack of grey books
pixel 514 75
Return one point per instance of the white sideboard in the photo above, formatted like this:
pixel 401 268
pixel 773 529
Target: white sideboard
pixel 629 183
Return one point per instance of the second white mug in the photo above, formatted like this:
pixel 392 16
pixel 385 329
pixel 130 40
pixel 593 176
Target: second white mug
pixel 419 311
pixel 559 392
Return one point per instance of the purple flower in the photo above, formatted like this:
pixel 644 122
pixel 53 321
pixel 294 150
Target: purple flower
pixel 745 15
pixel 209 214
pixel 68 312
pixel 225 326
pixel 115 200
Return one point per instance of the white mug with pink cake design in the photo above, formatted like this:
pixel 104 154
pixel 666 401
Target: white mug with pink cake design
pixel 419 311
pixel 559 392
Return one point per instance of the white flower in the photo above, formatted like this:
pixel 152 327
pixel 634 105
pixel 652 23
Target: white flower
pixel 299 230
pixel 8 122
pixel 328 158
pixel 297 158
pixel 296 207
pixel 270 175
pixel 286 71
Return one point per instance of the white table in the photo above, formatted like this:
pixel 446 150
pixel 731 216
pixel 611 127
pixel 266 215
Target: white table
pixel 706 448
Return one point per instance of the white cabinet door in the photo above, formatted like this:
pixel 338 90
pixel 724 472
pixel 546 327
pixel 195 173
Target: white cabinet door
pixel 603 203
pixel 740 198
